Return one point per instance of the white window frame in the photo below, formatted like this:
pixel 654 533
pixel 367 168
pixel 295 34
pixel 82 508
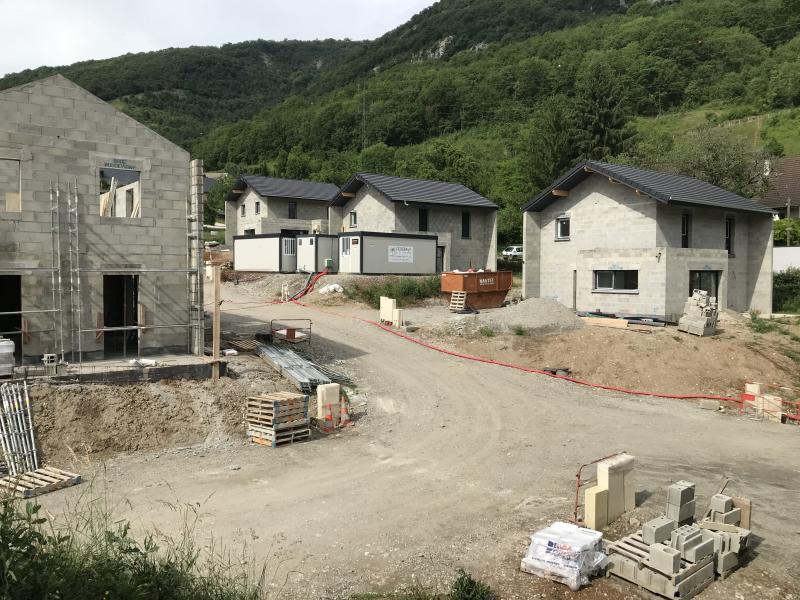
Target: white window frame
pixel 345 246
pixel 559 220
pixel 243 210
pixel 613 289
pixel 353 219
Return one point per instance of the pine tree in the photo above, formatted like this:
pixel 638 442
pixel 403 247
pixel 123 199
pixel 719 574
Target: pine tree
pixel 601 117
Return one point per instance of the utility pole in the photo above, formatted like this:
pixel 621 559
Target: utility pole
pixel 215 324
pixel 789 222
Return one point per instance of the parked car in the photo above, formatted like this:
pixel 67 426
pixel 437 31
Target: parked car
pixel 513 252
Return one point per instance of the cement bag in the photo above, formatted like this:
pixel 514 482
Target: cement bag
pixel 333 288
pixel 565 553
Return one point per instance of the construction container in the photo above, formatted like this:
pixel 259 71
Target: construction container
pixel 6 357
pixel 377 253
pixel 317 252
pixel 486 289
pixel 267 253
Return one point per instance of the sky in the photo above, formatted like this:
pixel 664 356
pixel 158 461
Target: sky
pixel 36 33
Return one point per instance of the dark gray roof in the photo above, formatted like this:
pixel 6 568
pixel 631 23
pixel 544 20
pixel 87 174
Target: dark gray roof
pixel 402 189
pixel 664 187
pixel 283 188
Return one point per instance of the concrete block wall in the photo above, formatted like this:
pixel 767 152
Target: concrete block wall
pixel 373 210
pixel 60 132
pixel 273 215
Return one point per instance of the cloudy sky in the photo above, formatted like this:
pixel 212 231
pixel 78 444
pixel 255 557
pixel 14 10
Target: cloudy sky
pixel 58 32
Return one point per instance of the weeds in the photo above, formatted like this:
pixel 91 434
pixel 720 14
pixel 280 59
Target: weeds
pixel 406 290
pixel 519 330
pixel 486 331
pixel 760 325
pixel 467 588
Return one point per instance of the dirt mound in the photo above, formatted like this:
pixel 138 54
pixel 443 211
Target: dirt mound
pixel 538 316
pixel 102 420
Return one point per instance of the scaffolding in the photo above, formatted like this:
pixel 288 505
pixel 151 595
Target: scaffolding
pixel 193 270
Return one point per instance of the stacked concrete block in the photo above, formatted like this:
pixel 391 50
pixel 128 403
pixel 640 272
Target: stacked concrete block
pixel 689 540
pixel 388 306
pixel 699 314
pixel 614 493
pixel 658 530
pixel 681 502
pixel 664 559
pixel 762 405
pixel 722 510
pixel 328 409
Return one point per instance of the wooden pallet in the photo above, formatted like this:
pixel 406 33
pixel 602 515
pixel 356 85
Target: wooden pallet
pixel 40 481
pixel 629 559
pixel 265 428
pixel 274 409
pixel 458 301
pixel 279 437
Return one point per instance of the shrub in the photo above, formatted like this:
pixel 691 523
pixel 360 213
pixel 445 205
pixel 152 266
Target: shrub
pixel 519 330
pixel 760 325
pixel 406 290
pixel 486 331
pixel 786 291
pixel 466 588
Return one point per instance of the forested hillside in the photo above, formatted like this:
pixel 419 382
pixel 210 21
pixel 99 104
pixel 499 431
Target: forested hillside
pixel 502 95
pixel 182 92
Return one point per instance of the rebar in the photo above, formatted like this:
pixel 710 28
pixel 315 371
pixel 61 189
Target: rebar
pixel 16 429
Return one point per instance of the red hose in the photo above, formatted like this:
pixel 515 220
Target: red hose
pixel 524 369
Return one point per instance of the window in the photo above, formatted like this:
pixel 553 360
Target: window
pixel 345 246
pixel 120 192
pixel 249 231
pixel 292 207
pixel 243 209
pixel 289 246
pixel 258 208
pixel 616 281
pixel 311 241
pixel 686 226
pixel 353 219
pixel 465 225
pixel 10 185
pixel 299 242
pixel 729 231
pixel 423 219
pixel 562 228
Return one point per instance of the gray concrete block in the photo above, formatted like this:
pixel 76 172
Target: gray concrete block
pixel 721 503
pixel 726 561
pixel 665 559
pixel 680 492
pixel 715 538
pixel 731 517
pixel 685 536
pixel 682 514
pixel 658 530
pixel 698 551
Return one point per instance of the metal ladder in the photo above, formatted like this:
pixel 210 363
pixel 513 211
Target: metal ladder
pixel 73 221
pixel 55 274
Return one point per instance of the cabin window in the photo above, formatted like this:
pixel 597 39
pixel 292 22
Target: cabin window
pixel 616 281
pixel 345 246
pixel 289 246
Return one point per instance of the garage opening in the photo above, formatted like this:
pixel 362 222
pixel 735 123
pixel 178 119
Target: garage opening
pixel 120 310
pixel 11 302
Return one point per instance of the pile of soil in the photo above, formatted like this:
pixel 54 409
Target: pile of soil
pixel 98 420
pixel 537 316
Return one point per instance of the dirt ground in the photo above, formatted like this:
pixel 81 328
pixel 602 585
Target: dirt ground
pixel 451 464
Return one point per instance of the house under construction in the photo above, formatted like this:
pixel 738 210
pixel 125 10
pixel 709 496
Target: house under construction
pixel 100 223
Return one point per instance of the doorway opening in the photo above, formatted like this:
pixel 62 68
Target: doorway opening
pixel 11 302
pixel 707 281
pixel 120 309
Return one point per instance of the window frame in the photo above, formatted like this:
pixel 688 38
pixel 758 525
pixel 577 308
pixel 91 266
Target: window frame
pixel 289 246
pixel 686 230
pixel 730 235
pixel 466 225
pixel 291 209
pixel 344 248
pixel 11 203
pixel 596 274
pixel 243 210
pixel 423 211
pixel 561 219
pixel 258 208
pixel 353 219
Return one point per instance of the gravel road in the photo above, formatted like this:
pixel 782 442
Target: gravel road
pixel 453 464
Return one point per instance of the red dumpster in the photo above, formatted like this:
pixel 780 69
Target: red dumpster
pixel 484 290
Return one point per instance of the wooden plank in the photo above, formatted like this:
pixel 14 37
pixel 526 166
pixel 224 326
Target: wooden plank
pixel 605 322
pixel 746 507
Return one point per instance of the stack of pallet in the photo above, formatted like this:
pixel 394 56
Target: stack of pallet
pixel 277 419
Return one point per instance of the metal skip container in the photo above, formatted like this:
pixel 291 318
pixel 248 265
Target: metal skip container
pixel 485 289
pixel 6 357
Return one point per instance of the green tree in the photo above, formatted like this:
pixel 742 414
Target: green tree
pixel 787 232
pixel 601 118
pixel 550 142
pixel 378 158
